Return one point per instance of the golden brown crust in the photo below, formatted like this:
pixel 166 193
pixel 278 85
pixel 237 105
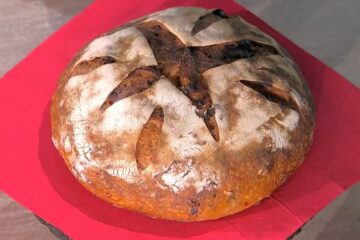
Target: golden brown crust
pixel 151 169
pixel 148 141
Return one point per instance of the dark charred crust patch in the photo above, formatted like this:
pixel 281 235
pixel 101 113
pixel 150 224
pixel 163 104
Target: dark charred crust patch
pixel 273 94
pixel 220 13
pixel 211 124
pixel 137 81
pixel 184 66
pixel 195 204
pixel 85 67
pixel 219 54
pixel 194 211
pixel 178 64
pixel 208 19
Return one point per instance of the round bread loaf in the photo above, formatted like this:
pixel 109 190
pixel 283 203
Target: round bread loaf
pixel 186 114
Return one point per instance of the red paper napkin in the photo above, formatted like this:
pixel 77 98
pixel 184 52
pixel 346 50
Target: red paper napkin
pixel 33 173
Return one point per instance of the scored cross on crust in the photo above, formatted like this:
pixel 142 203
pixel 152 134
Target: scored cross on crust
pixel 184 66
pixel 186 114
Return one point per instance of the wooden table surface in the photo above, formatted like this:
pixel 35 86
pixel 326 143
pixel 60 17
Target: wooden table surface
pixel 328 29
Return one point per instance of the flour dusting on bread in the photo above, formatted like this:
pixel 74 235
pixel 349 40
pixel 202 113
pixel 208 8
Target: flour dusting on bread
pixel 186 133
pixel 258 102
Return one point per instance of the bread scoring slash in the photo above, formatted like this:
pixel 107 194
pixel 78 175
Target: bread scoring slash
pixel 186 114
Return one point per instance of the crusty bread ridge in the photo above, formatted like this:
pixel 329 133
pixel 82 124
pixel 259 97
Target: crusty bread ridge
pixel 186 114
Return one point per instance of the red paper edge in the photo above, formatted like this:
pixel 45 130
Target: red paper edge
pixel 267 28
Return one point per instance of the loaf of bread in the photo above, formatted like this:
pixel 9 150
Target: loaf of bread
pixel 185 114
